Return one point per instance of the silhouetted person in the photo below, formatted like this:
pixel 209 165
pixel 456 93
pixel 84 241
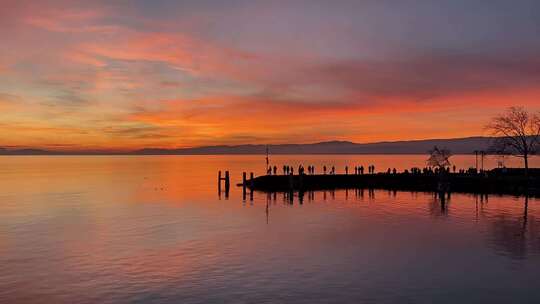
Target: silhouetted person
pixel 324 170
pixel 361 169
pixel 346 170
pixel 333 170
pixel 275 170
pixel 388 171
pixel 284 170
pixel 394 171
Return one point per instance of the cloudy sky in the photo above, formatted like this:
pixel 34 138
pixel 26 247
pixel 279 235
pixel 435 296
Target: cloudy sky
pixel 131 74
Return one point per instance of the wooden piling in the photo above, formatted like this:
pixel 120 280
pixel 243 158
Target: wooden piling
pixel 227 182
pixel 244 186
pixel 219 181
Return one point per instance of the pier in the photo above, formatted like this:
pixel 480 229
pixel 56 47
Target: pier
pixel 494 181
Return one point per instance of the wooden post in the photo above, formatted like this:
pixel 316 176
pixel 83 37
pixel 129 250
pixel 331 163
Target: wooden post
pixel 219 181
pixel 244 186
pixel 227 182
pixel 251 179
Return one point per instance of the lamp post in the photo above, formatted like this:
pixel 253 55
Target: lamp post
pixel 476 157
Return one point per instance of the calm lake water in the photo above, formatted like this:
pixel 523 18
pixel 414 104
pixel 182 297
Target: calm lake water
pixel 152 229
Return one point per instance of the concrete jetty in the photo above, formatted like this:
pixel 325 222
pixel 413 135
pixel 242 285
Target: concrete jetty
pixel 494 181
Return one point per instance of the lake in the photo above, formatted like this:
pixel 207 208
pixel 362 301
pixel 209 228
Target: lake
pixel 153 229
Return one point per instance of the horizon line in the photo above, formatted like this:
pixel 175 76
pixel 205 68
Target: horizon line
pixel 29 150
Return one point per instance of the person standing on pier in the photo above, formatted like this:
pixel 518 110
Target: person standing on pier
pixel 275 170
pixel 324 170
pixel 346 170
pixel 361 169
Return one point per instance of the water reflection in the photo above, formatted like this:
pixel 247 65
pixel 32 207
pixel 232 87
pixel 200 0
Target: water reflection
pixel 438 205
pixel 511 234
pixel 153 229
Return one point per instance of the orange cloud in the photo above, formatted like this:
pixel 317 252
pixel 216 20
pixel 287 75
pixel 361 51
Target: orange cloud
pixel 92 75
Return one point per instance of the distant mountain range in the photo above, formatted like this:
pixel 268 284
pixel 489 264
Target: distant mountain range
pixel 457 146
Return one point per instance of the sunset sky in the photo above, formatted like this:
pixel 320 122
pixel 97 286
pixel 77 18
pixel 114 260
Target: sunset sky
pixel 129 74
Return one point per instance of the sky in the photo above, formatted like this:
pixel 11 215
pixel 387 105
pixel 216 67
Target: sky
pixel 123 75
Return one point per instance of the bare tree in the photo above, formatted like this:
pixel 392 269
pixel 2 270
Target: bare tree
pixel 517 133
pixel 439 158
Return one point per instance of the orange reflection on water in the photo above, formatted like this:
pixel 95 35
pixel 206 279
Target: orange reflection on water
pixel 92 229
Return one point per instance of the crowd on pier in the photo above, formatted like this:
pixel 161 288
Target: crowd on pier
pixel 360 170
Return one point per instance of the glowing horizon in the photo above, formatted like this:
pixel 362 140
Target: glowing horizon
pixel 128 75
